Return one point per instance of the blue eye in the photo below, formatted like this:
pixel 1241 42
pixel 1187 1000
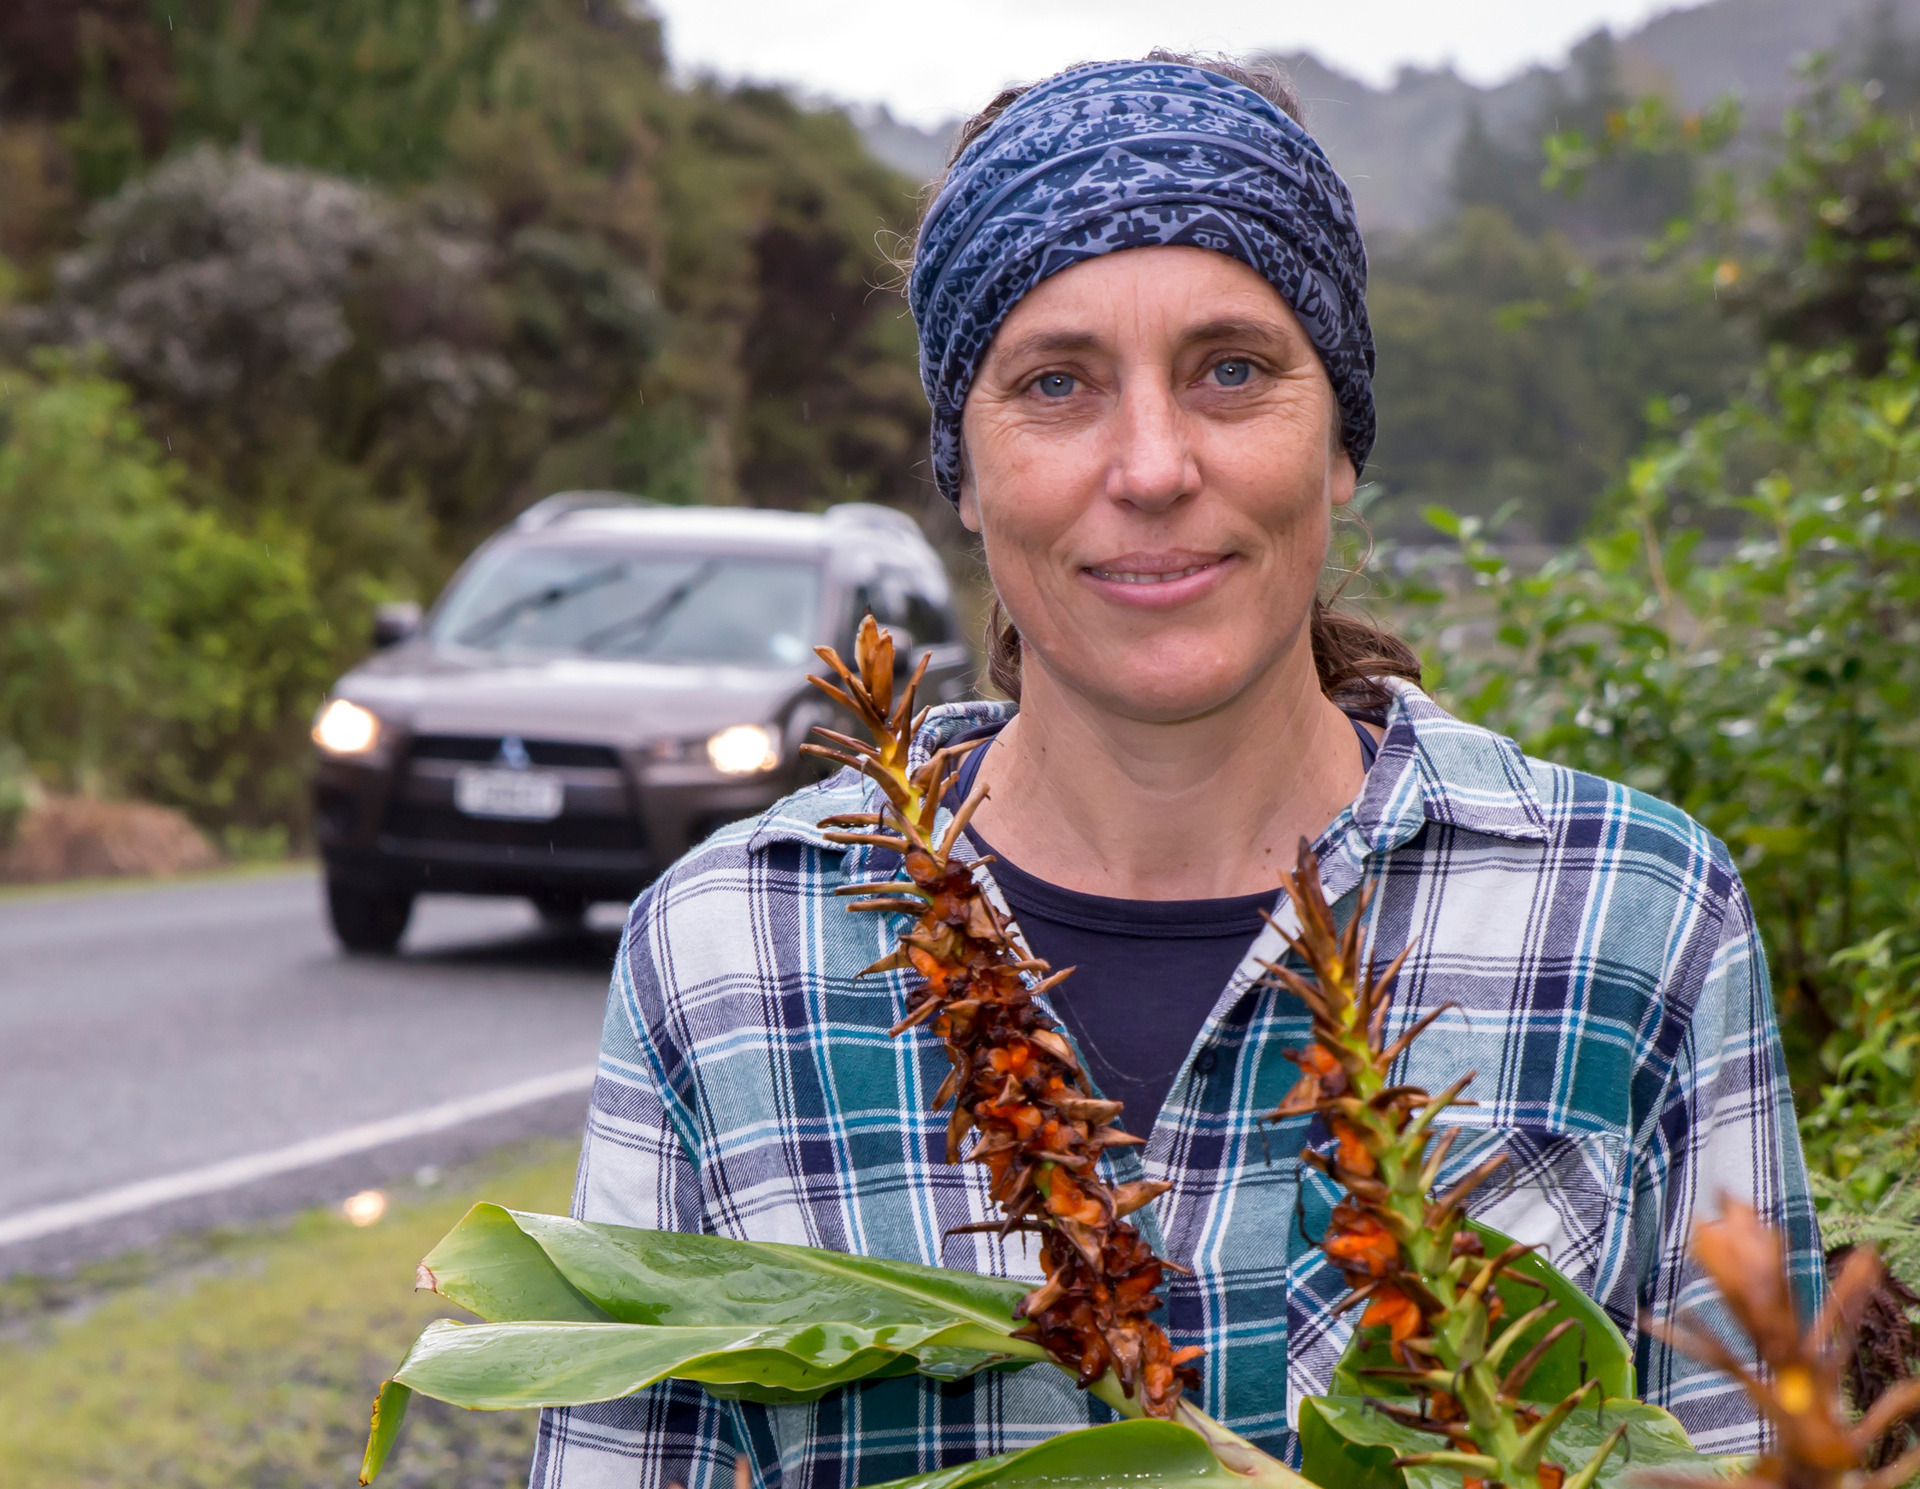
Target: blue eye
pixel 1231 374
pixel 1055 385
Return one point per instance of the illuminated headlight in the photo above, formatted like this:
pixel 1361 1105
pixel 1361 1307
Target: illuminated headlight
pixel 744 750
pixel 345 728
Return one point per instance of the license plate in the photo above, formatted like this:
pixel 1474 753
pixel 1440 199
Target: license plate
pixel 526 796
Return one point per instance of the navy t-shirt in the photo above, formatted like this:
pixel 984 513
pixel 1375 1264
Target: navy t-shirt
pixel 1148 972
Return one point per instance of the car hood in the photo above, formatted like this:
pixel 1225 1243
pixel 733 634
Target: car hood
pixel 432 691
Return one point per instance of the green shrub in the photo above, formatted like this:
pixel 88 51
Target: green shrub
pixel 1740 635
pixel 146 646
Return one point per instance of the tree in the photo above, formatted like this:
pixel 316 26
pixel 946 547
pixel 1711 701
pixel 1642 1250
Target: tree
pixel 1628 198
pixel 1514 369
pixel 787 377
pixel 1841 261
pixel 145 645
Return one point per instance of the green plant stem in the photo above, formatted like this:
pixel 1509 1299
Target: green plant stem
pixel 1109 1390
pixel 1461 1328
pixel 1239 1455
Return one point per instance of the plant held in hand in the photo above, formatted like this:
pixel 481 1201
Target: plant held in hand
pixel 1408 1254
pixel 1014 1075
pixel 1798 1387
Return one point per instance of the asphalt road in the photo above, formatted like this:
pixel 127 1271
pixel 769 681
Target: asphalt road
pixel 171 1030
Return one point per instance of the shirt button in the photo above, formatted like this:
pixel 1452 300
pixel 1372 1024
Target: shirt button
pixel 1205 1063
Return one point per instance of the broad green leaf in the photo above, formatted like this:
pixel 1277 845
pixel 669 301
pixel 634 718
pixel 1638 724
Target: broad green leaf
pixel 578 1312
pixel 389 1411
pixel 501 1366
pixel 1121 1455
pixel 1345 1442
pixel 760 1321
pixel 1598 1340
pixel 506 1265
pixel 1331 1457
pixel 490 1266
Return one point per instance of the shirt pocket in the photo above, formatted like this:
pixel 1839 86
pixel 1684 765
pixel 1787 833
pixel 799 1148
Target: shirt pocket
pixel 1568 1193
pixel 1565 1192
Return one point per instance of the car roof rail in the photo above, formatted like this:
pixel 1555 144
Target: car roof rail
pixel 563 504
pixel 873 515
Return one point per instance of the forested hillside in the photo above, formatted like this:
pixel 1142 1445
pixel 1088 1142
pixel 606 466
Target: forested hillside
pixel 1542 322
pixel 302 299
pixel 1528 334
pixel 336 288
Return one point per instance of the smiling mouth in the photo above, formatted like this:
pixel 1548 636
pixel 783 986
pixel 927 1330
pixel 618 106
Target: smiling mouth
pixel 1135 576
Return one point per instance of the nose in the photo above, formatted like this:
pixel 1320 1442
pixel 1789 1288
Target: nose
pixel 1153 464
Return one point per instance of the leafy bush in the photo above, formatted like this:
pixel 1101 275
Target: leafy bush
pixel 1517 368
pixel 1843 266
pixel 1868 1189
pixel 1741 636
pixel 145 645
pixel 261 309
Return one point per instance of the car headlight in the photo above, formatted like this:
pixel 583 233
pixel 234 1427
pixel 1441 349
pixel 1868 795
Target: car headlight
pixel 744 750
pixel 345 728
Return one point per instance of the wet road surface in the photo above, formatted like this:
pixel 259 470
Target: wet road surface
pixel 169 1030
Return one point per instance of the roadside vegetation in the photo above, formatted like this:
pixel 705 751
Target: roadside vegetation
pixel 251 1356
pixel 1738 632
pixel 297 302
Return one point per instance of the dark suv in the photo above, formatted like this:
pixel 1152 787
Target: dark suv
pixel 602 685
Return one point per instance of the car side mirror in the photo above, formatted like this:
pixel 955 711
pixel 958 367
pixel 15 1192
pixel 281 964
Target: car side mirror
pixel 394 622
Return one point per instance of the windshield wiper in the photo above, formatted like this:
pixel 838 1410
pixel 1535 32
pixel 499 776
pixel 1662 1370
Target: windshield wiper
pixel 544 598
pixel 649 620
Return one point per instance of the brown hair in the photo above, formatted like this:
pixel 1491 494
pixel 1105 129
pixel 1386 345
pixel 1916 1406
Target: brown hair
pixel 1350 653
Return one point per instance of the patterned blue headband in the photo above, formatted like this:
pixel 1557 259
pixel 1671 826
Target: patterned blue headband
pixel 1120 155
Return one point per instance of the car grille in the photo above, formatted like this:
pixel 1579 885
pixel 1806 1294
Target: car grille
pixel 481 748
pixel 562 835
pixel 598 818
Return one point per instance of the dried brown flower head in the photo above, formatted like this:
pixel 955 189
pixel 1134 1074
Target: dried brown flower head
pixel 1014 1075
pixel 1797 1387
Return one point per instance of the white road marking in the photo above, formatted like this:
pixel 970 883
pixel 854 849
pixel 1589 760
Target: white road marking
pixel 127 1199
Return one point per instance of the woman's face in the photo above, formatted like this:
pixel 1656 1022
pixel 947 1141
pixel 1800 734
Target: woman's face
pixel 1152 458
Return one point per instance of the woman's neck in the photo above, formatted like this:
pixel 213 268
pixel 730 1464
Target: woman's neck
pixel 1200 809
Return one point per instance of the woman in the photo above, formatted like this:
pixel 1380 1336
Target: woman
pixel 1143 336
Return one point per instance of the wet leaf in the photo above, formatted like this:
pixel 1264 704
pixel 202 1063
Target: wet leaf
pixel 577 1312
pixel 1153 1454
pixel 389 1411
pixel 507 1266
pixel 1346 1442
pixel 498 1367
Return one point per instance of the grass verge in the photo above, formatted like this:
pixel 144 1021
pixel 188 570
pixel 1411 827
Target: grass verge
pixel 252 868
pixel 252 1357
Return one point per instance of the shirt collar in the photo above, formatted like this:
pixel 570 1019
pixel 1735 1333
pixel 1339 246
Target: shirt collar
pixel 1435 768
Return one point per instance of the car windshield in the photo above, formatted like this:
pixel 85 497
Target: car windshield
pixel 657 607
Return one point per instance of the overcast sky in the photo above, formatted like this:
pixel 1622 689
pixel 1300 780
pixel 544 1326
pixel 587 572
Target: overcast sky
pixel 929 60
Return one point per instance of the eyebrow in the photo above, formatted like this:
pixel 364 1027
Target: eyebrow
pixel 1235 328
pixel 1048 343
pixel 1229 328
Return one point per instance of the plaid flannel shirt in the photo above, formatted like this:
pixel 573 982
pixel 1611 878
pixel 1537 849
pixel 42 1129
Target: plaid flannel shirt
pixel 1611 996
